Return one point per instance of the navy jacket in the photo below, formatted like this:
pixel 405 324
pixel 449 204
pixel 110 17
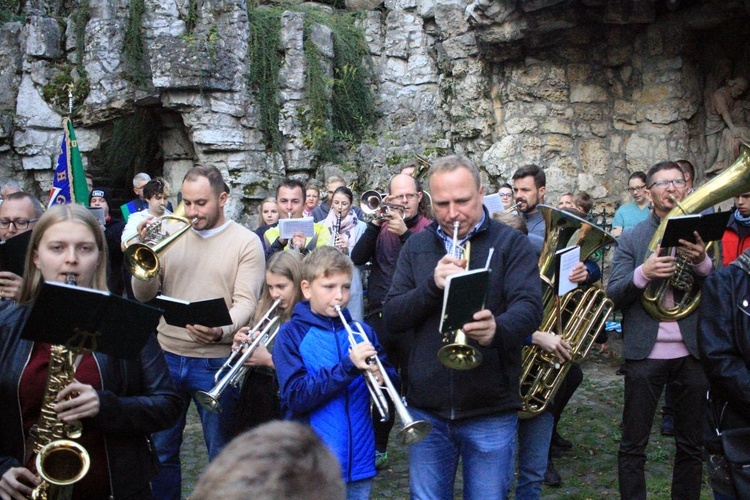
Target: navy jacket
pixel 415 302
pixel 138 398
pixel 321 386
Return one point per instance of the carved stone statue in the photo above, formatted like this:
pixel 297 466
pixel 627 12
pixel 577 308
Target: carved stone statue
pixel 726 126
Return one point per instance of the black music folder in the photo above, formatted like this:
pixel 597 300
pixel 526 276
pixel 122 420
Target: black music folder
pixel 13 253
pixel 465 294
pixel 94 319
pixel 209 312
pixel 709 226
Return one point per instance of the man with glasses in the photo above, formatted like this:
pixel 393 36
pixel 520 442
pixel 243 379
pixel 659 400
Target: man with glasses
pixel 380 244
pixel 18 214
pixel 632 213
pixel 658 352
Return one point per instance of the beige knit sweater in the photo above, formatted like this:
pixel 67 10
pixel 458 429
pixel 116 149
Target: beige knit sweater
pixel 229 264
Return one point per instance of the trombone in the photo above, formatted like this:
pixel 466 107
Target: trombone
pixel 458 354
pixel 412 431
pixel 234 365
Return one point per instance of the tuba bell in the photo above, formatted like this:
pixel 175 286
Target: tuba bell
pixel 734 181
pixel 582 313
pixel 142 257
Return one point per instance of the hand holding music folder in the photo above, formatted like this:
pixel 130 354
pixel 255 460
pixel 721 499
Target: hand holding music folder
pixel 93 319
pixel 709 226
pixel 209 312
pixel 465 294
pixel 13 253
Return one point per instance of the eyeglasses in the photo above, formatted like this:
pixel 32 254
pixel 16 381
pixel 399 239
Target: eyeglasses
pixel 405 196
pixel 20 224
pixel 506 195
pixel 663 184
pixel 636 188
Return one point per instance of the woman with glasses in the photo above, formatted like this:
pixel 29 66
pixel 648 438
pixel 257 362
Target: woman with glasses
pixel 632 213
pixel 346 228
pixel 506 197
pixel 312 198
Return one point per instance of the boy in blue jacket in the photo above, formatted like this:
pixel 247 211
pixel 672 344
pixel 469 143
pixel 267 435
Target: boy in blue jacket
pixel 320 373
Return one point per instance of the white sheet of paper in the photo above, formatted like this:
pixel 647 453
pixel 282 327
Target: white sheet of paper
pixel 493 203
pixel 287 227
pixel 569 257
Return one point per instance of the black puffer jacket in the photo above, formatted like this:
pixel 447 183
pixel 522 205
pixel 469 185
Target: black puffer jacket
pixel 138 398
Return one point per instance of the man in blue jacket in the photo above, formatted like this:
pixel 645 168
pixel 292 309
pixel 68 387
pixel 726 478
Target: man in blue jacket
pixel 473 412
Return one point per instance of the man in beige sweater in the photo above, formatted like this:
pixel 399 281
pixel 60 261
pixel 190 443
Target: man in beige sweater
pixel 215 258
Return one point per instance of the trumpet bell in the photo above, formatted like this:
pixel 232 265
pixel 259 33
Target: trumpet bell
pixel 414 432
pixel 460 356
pixel 208 401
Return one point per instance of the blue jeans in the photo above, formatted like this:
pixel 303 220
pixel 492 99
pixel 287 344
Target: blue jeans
pixel 359 490
pixel 486 445
pixel 534 435
pixel 191 375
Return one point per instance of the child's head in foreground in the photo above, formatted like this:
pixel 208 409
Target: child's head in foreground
pixel 326 280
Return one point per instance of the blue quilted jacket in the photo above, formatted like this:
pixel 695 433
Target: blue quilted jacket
pixel 321 386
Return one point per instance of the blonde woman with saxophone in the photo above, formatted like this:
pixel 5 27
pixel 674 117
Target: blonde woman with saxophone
pixel 659 351
pixel 119 402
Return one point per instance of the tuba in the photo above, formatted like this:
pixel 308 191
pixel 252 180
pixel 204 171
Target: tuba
pixel 581 313
pixel 142 257
pixel 732 182
pixel 60 462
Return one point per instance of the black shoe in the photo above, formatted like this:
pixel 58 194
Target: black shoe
pixel 560 442
pixel 551 477
pixel 667 425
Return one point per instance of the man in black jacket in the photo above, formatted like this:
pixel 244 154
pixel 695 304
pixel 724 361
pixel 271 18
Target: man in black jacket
pixel 381 244
pixel 470 410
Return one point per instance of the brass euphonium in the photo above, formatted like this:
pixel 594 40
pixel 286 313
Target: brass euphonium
pixel 412 431
pixel 142 257
pixel 60 462
pixel 458 354
pixel 582 313
pixel 734 181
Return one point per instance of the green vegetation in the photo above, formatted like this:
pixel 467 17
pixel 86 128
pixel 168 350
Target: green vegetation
pixel 132 46
pixel 10 10
pixel 132 147
pixel 56 92
pixel 339 109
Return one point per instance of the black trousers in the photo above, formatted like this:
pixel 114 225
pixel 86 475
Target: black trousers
pixel 259 400
pixel 644 381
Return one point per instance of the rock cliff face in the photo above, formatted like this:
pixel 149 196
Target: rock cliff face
pixel 592 90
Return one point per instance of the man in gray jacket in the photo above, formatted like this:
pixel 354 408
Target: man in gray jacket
pixel 658 352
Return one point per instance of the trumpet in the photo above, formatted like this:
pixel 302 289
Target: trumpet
pixel 412 431
pixel 371 202
pixel 458 354
pixel 234 365
pixel 512 208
